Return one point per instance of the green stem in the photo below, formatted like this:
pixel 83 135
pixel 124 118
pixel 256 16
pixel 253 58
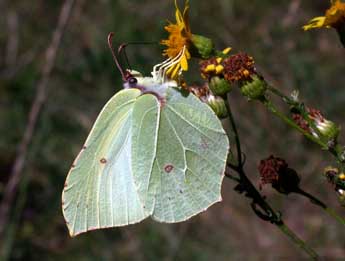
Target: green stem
pixel 237 137
pixel 299 242
pixel 251 190
pixel 319 203
pixel 269 105
pixel 336 151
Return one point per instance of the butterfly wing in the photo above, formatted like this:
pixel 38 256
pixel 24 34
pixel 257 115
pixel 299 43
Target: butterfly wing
pixel 179 156
pixel 99 191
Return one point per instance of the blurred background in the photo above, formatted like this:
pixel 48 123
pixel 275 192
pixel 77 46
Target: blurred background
pixel 83 77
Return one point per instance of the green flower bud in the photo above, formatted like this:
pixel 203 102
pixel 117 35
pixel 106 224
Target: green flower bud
pixel 204 46
pixel 217 104
pixel 327 128
pixel 219 86
pixel 254 89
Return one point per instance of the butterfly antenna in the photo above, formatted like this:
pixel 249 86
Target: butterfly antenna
pixel 122 50
pixel 110 44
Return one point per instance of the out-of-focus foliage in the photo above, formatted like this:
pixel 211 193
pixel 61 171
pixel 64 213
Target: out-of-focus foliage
pixel 85 78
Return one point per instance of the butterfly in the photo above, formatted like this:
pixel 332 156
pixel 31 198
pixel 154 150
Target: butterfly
pixel 154 151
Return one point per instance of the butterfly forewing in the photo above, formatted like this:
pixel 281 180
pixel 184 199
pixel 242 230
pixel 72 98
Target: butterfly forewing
pixel 99 190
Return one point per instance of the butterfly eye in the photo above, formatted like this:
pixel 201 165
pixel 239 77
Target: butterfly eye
pixel 132 81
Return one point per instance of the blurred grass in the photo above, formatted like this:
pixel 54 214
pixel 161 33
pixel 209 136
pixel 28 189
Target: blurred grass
pixel 85 78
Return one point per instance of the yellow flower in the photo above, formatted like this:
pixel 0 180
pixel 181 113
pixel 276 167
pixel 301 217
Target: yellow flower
pixel 178 42
pixel 334 17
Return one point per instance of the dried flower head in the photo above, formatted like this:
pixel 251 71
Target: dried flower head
pixel 275 171
pixel 301 122
pixel 200 91
pixel 211 67
pixel 239 67
pixel 270 168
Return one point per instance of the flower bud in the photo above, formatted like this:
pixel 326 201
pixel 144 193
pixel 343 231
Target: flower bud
pixel 328 129
pixel 219 86
pixel 254 89
pixel 203 45
pixel 335 177
pixel 217 104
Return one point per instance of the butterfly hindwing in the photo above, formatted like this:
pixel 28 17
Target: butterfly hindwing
pixel 187 156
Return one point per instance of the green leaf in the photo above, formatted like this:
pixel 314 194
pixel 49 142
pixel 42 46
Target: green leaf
pixel 146 157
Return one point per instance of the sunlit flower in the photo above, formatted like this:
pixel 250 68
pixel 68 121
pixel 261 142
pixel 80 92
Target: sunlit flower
pixel 178 42
pixel 213 66
pixel 334 17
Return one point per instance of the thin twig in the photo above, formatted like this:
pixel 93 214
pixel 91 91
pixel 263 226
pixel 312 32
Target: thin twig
pixel 39 100
pixel 12 43
pixel 237 139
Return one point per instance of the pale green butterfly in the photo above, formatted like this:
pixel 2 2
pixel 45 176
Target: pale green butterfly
pixel 154 150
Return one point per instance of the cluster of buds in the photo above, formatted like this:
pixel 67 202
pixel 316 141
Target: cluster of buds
pixel 275 171
pixel 337 179
pixel 216 103
pixel 322 128
pixel 238 69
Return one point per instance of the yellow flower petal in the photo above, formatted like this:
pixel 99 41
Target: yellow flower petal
pixel 226 50
pixel 186 16
pixel 316 22
pixel 210 68
pixel 173 71
pixel 178 15
pixel 334 16
pixel 184 63
pixel 219 68
pixel 179 39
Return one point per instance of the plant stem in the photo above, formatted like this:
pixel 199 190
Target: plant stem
pixel 253 193
pixel 269 105
pixel 319 203
pixel 299 242
pixel 336 151
pixel 237 137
